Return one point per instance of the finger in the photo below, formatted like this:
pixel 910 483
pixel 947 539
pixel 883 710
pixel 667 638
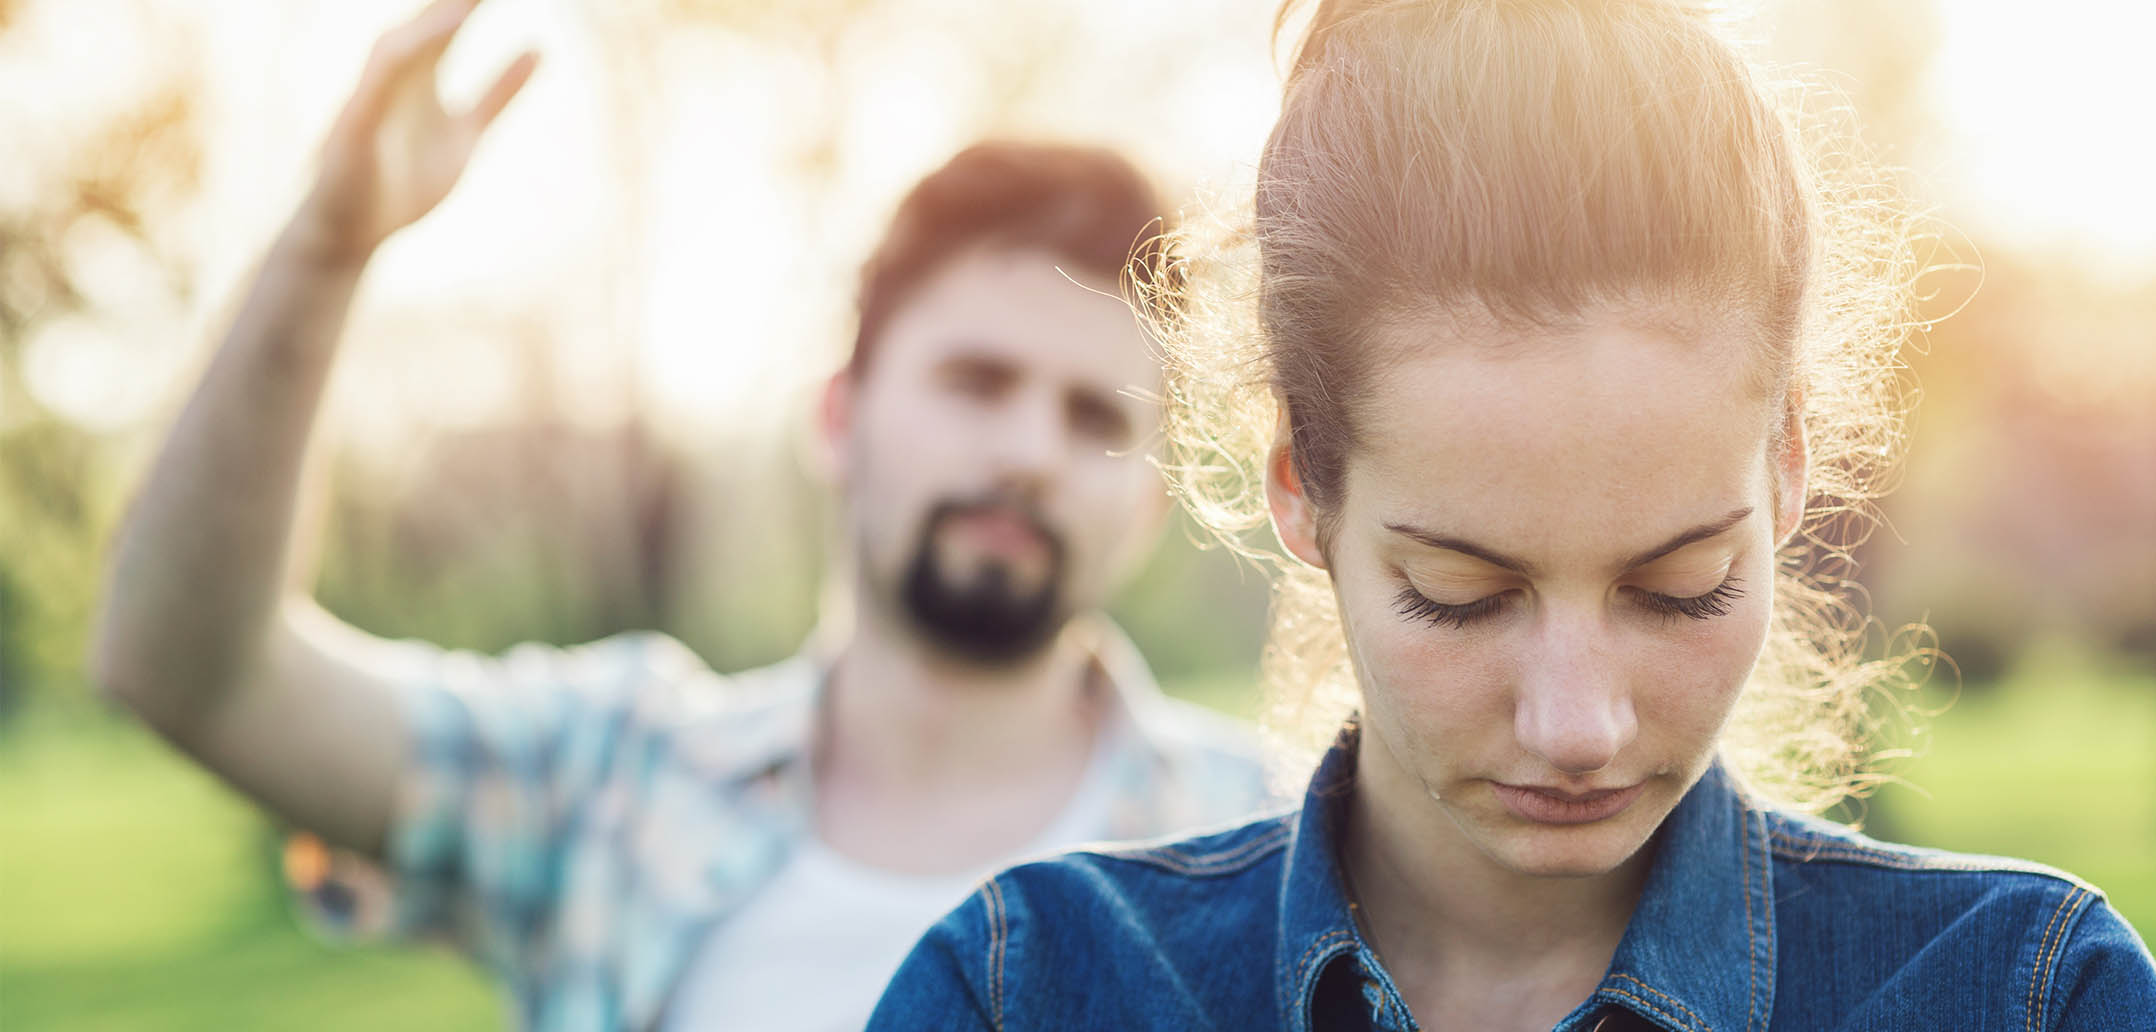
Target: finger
pixel 504 89
pixel 400 51
pixel 438 24
pixel 423 38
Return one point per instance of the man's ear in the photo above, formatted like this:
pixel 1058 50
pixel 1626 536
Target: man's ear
pixel 1792 458
pixel 1293 517
pixel 834 423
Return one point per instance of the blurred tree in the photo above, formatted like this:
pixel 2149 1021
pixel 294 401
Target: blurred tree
pixel 116 178
pixel 2032 481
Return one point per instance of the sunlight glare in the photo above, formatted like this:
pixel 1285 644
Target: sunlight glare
pixel 96 372
pixel 2049 110
pixel 724 263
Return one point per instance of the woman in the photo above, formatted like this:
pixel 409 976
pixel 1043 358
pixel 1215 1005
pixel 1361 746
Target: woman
pixel 1567 339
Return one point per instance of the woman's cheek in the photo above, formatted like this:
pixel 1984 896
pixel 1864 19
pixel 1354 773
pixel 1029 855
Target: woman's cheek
pixel 1703 668
pixel 1432 680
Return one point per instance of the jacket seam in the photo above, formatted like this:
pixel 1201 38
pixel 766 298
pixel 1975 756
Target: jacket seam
pixel 1751 944
pixel 1667 999
pixel 1767 917
pixel 1788 847
pixel 998 940
pixel 2048 950
pixel 1226 861
pixel 1659 1012
pixel 2036 970
pixel 1302 966
pixel 1229 857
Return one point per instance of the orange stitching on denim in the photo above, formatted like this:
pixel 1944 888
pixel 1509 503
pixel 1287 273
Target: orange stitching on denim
pixel 996 939
pixel 1657 1011
pixel 1801 849
pixel 1277 834
pixel 1751 952
pixel 2036 970
pixel 1303 965
pixel 1673 1001
pixel 1766 898
pixel 1229 856
pixel 1809 848
pixel 2043 958
pixel 1906 863
pixel 2080 896
pixel 1897 861
pixel 1211 863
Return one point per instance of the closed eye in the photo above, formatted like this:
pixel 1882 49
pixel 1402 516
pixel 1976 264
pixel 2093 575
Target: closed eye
pixel 1414 605
pixel 1698 607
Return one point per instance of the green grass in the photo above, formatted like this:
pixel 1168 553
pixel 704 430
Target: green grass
pixel 138 893
pixel 2055 764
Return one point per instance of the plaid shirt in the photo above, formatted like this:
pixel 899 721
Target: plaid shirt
pixel 578 819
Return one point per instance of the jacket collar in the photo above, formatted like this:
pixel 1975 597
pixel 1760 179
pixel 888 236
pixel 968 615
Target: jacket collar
pixel 1319 942
pixel 1698 955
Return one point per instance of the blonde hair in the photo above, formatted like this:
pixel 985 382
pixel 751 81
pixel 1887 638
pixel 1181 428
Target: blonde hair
pixel 1523 160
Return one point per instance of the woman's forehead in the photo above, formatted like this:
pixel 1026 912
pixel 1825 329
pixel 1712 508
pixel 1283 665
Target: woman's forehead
pixel 1565 434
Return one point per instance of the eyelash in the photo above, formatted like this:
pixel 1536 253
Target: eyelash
pixel 1414 605
pixel 1698 607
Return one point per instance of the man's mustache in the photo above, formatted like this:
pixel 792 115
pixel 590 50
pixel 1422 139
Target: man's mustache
pixel 998 503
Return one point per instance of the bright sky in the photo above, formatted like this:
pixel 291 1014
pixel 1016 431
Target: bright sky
pixel 2049 107
pixel 661 216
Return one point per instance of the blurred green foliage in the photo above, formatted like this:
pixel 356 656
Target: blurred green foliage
pixel 50 538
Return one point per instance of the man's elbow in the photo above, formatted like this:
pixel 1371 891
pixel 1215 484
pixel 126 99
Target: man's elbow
pixel 115 667
pixel 129 671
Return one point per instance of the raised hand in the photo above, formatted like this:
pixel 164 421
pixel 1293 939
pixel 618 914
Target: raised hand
pixel 394 152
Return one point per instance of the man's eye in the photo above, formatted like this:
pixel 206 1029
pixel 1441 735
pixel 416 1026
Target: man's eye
pixel 1099 420
pixel 976 380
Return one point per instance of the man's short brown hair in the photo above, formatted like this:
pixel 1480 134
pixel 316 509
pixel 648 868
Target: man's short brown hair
pixel 1087 205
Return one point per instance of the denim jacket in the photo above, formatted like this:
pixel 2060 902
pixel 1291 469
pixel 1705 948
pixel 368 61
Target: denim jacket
pixel 1750 919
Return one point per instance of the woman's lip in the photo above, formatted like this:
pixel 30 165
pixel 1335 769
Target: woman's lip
pixel 1552 806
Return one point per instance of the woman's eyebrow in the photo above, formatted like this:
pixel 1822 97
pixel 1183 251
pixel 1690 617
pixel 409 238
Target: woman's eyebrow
pixel 1699 533
pixel 1525 568
pixel 1464 547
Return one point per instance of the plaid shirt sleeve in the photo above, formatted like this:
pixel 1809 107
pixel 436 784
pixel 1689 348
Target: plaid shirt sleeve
pixel 503 752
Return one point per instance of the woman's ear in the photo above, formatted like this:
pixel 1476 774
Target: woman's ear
pixel 1293 518
pixel 1792 458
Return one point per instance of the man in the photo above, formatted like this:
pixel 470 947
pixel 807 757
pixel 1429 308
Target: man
pixel 627 839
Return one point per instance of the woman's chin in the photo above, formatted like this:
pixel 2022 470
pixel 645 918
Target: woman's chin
pixel 1565 851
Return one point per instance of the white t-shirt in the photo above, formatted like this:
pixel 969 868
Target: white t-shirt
pixel 814 949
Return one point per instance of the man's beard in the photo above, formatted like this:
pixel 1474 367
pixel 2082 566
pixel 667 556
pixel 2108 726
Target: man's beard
pixel 985 617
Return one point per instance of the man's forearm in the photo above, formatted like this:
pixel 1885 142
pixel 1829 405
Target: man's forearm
pixel 198 567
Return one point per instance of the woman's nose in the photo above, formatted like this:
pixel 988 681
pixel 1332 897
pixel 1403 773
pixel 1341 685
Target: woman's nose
pixel 1573 706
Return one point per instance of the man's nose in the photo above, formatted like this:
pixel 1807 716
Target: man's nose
pixel 1574 703
pixel 1029 441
